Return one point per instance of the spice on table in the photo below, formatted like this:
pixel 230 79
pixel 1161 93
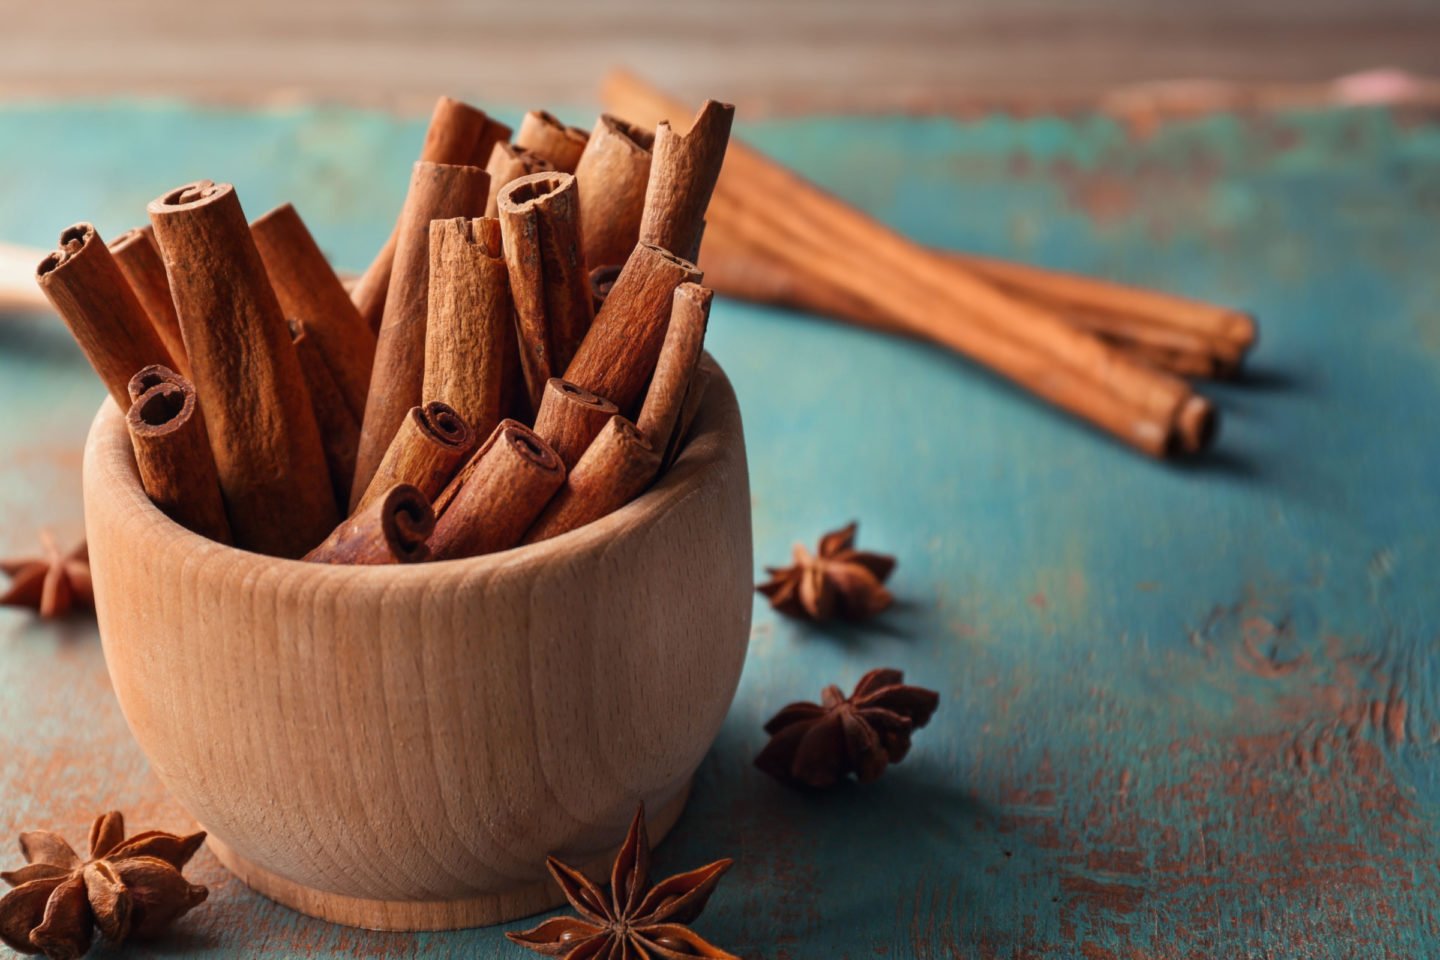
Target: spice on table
pixel 837 580
pixel 128 888
pixel 819 744
pixel 631 921
pixel 51 584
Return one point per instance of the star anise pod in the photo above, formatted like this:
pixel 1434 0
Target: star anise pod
pixel 128 888
pixel 837 580
pixel 51 584
pixel 819 744
pixel 629 924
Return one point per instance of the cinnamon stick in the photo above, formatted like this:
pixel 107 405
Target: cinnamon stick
pixel 679 354
pixel 508 163
pixel 172 452
pixel 309 290
pixel 262 430
pixel 431 445
pixel 545 136
pixel 612 175
pixel 617 357
pixel 87 289
pixel 619 464
pixel 570 417
pixel 151 376
pixel 339 427
pixel 498 495
pixel 470 332
pixel 437 191
pixel 602 281
pixel 458 134
pixel 391 528
pixel 683 176
pixel 539 224
pixel 705 373
pixel 138 257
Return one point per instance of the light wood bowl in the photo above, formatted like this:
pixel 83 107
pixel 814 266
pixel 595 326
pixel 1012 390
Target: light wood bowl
pixel 400 747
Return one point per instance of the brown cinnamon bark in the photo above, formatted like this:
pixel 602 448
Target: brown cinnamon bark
pixel 539 224
pixel 309 290
pixel 262 430
pixel 617 467
pixel 437 192
pixel 700 380
pixel 92 296
pixel 508 163
pixel 612 175
pixel 458 134
pixel 602 281
pixel 138 256
pixel 339 427
pixel 151 376
pixel 498 495
pixel 618 356
pixel 570 417
pixel 172 452
pixel 470 333
pixel 545 136
pixel 432 444
pixel 682 178
pixel 679 354
pixel 391 528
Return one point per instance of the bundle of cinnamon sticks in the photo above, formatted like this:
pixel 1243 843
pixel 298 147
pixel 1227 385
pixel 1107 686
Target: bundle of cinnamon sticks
pixel 473 391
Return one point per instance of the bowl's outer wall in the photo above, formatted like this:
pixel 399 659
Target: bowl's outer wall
pixel 429 732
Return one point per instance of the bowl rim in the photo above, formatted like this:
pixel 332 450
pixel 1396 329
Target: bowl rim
pixel 714 437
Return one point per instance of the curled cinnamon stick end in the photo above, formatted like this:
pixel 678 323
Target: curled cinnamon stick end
pixel 617 467
pixel 1196 425
pixel 172 452
pixel 613 173
pixel 602 281
pixel 545 136
pixel 618 355
pixel 498 495
pixel 540 224
pixel 339 427
pixel 432 443
pixel 508 163
pixel 570 417
pixel 679 354
pixel 138 257
pixel 683 176
pixel 97 303
pixel 392 528
pixel 150 376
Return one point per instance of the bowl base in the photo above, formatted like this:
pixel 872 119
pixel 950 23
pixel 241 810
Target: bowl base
pixel 416 915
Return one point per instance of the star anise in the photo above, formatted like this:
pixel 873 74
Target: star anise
pixel 51 584
pixel 128 888
pixel 629 924
pixel 836 581
pixel 819 744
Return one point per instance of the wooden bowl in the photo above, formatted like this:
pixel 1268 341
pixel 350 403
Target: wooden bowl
pixel 399 747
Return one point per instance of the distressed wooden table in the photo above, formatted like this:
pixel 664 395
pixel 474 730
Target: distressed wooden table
pixel 1186 711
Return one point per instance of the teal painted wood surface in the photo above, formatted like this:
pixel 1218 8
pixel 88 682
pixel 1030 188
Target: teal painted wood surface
pixel 1186 711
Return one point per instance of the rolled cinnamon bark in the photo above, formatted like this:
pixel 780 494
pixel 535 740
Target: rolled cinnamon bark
pixel 612 175
pixel 172 452
pixel 619 464
pixel 257 411
pixel 679 354
pixel 437 191
pixel 705 372
pixel 151 376
pixel 545 136
pixel 309 290
pixel 391 528
pixel 617 357
pixel 498 495
pixel 339 427
pixel 570 417
pixel 432 444
pixel 138 256
pixel 682 178
pixel 458 134
pixel 92 296
pixel 470 333
pixel 508 163
pixel 539 224
pixel 602 281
